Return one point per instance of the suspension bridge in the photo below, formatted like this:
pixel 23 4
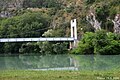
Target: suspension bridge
pixel 72 39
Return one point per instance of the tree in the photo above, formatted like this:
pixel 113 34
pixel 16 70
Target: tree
pixel 89 1
pixel 85 45
pixel 41 3
pixel 53 47
pixel 27 25
pixel 100 42
pixel 107 43
pixel 29 48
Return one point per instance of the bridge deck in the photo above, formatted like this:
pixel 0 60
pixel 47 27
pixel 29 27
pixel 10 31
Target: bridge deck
pixel 34 39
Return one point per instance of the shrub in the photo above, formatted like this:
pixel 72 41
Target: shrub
pixel 99 42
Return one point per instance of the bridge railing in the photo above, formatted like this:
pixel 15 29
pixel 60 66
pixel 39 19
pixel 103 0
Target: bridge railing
pixel 35 39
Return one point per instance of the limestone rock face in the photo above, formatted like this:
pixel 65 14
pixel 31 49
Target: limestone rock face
pixel 116 22
pixel 6 6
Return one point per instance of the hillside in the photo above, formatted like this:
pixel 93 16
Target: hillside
pixel 49 18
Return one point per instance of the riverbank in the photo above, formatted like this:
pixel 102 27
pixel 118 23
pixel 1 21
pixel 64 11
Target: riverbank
pixel 58 75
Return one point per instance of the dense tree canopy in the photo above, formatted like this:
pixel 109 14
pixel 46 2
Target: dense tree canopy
pixel 30 24
pixel 100 42
pixel 26 25
pixel 41 3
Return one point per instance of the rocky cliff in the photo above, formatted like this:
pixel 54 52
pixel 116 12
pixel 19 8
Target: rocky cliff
pixel 7 6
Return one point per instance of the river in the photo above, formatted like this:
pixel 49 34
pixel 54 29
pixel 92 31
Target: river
pixel 60 62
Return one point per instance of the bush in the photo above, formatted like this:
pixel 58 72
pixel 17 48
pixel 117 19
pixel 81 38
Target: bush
pixel 89 1
pixel 99 42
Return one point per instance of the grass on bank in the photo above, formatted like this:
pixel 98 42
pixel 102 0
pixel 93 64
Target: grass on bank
pixel 59 75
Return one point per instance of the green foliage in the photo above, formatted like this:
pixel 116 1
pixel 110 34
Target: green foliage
pixel 27 25
pixel 107 43
pixel 89 1
pixel 52 48
pixel 29 48
pixel 85 46
pixel 102 12
pixel 69 9
pixel 44 48
pixel 9 48
pixel 54 33
pixel 100 42
pixel 41 3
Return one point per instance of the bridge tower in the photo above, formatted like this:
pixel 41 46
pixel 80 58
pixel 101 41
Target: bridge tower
pixel 73 33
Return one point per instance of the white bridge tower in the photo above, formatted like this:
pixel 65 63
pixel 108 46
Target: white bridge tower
pixel 73 33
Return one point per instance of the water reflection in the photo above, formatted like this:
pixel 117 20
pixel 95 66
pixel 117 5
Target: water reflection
pixel 60 62
pixel 98 62
pixel 34 61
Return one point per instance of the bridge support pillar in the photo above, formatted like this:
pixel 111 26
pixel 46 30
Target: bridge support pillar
pixel 73 34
